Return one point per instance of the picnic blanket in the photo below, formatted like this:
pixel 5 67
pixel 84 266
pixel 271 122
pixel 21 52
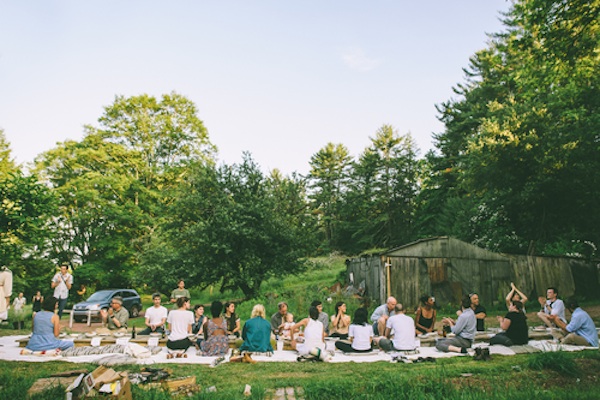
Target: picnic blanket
pixel 122 354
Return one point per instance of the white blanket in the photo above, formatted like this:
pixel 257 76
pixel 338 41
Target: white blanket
pixel 10 351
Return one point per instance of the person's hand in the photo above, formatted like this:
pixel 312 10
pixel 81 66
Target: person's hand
pixel 552 317
pixel 512 285
pixel 499 318
pixel 542 300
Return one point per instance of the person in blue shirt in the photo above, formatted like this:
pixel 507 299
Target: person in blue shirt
pixel 257 332
pixel 464 328
pixel 581 331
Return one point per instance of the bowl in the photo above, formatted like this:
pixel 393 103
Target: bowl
pixel 155 334
pixel 118 334
pixel 90 334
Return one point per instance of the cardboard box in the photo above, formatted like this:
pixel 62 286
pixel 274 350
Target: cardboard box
pixel 97 384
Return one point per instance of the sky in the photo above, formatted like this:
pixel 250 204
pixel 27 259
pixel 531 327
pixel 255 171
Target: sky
pixel 278 79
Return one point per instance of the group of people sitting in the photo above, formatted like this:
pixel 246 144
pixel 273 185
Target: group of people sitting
pixel 388 328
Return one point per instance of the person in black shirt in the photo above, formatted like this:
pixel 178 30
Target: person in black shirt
pixel 514 325
pixel 479 310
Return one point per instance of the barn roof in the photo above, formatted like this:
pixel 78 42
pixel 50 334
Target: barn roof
pixel 443 247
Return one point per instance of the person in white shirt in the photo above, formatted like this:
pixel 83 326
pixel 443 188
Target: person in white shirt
pixel 61 283
pixel 180 325
pixel 156 316
pixel 19 311
pixel 403 327
pixel 551 305
pixel 360 334
pixel 6 285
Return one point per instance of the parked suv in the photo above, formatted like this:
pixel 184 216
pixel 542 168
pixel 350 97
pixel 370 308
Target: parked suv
pixel 101 300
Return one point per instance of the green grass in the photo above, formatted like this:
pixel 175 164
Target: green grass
pixel 513 377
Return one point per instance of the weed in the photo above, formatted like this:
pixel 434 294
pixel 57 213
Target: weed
pixel 558 361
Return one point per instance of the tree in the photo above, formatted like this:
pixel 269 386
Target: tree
pixel 6 163
pixel 521 143
pixel 379 204
pixel 229 227
pixel 114 184
pixel 328 178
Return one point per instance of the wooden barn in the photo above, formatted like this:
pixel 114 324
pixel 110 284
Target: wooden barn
pixel 448 268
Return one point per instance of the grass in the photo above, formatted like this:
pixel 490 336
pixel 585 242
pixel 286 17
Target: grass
pixel 515 377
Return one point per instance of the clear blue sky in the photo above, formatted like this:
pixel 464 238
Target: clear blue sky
pixel 279 79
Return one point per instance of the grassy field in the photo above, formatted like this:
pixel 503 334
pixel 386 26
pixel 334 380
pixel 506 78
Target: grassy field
pixel 533 376
pixel 537 376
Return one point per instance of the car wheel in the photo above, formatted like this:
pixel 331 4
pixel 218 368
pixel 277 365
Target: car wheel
pixel 135 312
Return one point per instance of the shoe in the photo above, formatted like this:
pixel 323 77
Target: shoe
pixel 485 354
pixel 247 359
pixel 463 350
pixel 478 354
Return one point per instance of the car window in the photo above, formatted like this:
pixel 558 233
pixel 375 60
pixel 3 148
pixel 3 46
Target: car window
pixel 99 296
pixel 128 294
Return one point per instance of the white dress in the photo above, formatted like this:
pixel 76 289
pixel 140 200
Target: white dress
pixel 313 337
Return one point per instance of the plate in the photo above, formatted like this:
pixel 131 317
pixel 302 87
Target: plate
pixel 75 335
pixel 90 334
pixel 539 329
pixel 62 335
pixel 155 334
pixel 118 334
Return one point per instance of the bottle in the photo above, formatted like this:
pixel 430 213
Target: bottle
pixel 133 333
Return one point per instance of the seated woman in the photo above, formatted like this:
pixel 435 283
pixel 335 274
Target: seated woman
pixel 514 325
pixel 257 332
pixel 425 316
pixel 339 322
pixel 233 321
pixel 360 334
pixel 314 334
pixel 180 325
pixel 46 327
pixel 216 342
pixel 515 295
pixel 198 326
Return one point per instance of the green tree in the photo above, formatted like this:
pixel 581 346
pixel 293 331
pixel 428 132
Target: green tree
pixel 229 227
pixel 328 178
pixel 521 143
pixel 6 162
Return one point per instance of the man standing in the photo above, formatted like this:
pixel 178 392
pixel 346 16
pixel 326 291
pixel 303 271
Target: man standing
pixel 381 315
pixel 323 317
pixel 279 317
pixel 464 328
pixel 404 332
pixel 181 291
pixel 155 316
pixel 581 331
pixel 61 283
pixel 116 317
pixel 551 305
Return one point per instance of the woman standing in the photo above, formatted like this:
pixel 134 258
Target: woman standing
pixel 215 342
pixel 46 326
pixel 233 321
pixel 180 323
pixel 314 334
pixel 36 302
pixel 360 334
pixel 425 316
pixel 340 321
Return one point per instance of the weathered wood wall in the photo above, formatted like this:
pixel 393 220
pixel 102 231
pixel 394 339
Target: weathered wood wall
pixel 449 268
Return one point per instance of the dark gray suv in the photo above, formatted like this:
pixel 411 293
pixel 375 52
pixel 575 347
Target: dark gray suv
pixel 101 300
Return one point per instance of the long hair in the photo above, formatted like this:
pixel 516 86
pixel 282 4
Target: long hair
pixel 361 316
pixel 337 306
pixel 215 308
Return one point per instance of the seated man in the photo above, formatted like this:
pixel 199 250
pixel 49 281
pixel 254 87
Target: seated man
pixel 116 317
pixel 381 315
pixel 155 317
pixel 551 305
pixel 464 328
pixel 403 327
pixel 479 310
pixel 279 317
pixel 581 331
